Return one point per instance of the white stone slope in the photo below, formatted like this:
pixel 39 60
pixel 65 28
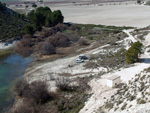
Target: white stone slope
pixel 91 106
pixel 132 95
pixel 141 108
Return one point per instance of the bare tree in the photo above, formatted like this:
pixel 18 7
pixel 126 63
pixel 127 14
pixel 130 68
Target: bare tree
pixel 47 48
pixel 38 92
pixel 59 40
pixel 82 42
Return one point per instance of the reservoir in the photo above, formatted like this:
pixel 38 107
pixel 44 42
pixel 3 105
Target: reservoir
pixel 11 69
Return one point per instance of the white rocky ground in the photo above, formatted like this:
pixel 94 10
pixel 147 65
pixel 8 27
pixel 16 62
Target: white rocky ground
pixel 4 46
pixel 126 74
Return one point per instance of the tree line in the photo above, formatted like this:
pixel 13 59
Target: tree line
pixel 42 16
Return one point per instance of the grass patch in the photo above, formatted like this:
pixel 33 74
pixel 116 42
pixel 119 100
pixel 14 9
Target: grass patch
pixel 5 54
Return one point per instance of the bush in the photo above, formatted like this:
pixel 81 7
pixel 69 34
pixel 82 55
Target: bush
pixel 74 38
pixel 74 27
pixel 65 85
pixel 24 46
pixel 59 40
pixel 82 42
pixel 124 106
pixel 24 51
pixel 132 98
pixel 29 29
pixel 38 92
pixel 47 48
pixel 29 107
pixel 133 52
pixel 34 5
pixel 141 102
pixel 20 87
pixel 60 27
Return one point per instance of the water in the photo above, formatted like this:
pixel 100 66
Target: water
pixel 10 69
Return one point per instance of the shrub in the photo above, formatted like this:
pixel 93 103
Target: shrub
pixel 124 106
pixel 90 65
pixel 29 107
pixel 65 85
pixel 74 38
pixel 141 102
pixel 59 40
pixel 34 5
pixel 82 42
pixel 47 48
pixel 26 40
pixel 24 51
pixel 132 98
pixel 20 87
pixel 74 27
pixel 38 92
pixel 133 52
pixel 29 29
pixel 60 27
pixel 24 46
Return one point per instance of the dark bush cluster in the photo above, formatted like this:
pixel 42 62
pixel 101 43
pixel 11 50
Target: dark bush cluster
pixel 65 85
pixel 29 107
pixel 47 48
pixel 59 40
pixel 36 91
pixel 24 46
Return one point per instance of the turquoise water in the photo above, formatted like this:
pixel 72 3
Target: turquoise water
pixel 10 69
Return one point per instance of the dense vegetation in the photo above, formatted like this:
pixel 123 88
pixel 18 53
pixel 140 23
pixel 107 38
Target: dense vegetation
pixel 133 52
pixel 14 25
pixel 11 24
pixel 43 16
pixel 36 98
pixel 64 38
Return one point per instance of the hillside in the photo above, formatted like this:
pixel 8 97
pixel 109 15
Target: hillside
pixel 11 24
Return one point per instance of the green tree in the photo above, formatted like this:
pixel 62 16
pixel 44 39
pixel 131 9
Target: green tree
pixel 57 17
pixel 48 21
pixel 29 29
pixel 34 5
pixel 133 52
pixel 43 16
pixel 2 6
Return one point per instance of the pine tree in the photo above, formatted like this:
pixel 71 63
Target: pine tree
pixel 133 52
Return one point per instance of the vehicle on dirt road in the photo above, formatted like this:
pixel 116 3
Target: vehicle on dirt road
pixel 79 60
pixel 83 57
